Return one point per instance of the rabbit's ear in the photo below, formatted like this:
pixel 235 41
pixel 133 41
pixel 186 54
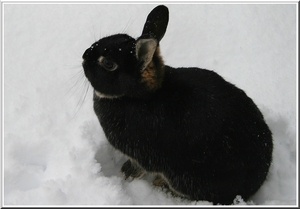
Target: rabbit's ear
pixel 145 49
pixel 156 23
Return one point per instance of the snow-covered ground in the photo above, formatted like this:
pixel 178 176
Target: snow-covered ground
pixel 55 152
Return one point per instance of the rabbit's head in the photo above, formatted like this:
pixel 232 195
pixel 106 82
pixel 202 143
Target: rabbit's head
pixel 120 65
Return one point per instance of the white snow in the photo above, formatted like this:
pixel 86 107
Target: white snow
pixel 55 152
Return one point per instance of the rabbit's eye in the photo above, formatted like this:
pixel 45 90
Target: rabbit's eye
pixel 107 64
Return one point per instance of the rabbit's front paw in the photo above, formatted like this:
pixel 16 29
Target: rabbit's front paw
pixel 132 169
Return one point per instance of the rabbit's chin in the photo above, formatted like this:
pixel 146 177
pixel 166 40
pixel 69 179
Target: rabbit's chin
pixel 101 95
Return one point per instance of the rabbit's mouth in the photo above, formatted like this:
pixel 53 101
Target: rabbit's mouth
pixel 101 95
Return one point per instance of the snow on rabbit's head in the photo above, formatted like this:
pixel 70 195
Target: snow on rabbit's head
pixel 120 65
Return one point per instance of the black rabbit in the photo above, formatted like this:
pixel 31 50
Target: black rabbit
pixel 203 137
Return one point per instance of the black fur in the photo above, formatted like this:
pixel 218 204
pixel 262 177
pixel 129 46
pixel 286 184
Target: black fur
pixel 205 137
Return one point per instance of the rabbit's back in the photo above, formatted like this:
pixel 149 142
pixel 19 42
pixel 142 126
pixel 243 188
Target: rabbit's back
pixel 204 134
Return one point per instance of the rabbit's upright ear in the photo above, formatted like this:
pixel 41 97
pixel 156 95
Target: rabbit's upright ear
pixel 154 29
pixel 156 23
pixel 147 48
